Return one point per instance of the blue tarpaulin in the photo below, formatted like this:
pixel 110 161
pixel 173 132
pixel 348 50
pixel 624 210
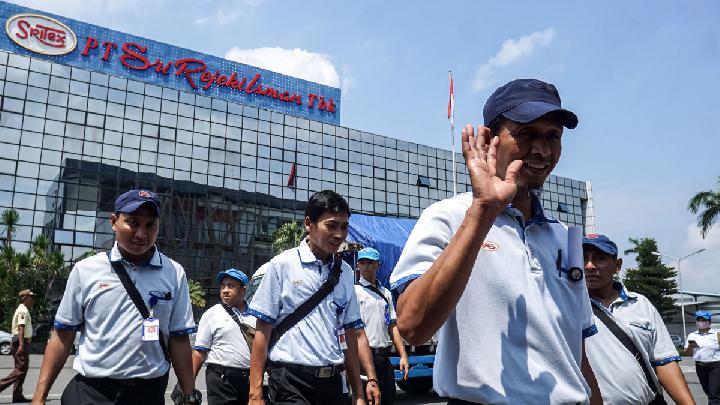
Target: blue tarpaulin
pixel 386 234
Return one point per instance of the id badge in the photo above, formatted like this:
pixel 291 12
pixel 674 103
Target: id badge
pixel 150 330
pixel 341 339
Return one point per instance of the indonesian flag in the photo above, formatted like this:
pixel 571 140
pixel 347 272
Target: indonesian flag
pixel 451 102
pixel 291 177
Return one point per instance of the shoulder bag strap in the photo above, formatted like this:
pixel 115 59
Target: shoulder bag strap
pixel 136 299
pixel 378 292
pixel 306 307
pixel 628 343
pixel 247 330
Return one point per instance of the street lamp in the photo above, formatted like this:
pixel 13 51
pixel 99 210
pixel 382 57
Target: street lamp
pixel 682 298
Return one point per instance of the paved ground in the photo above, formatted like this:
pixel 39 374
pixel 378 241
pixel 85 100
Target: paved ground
pixel 403 398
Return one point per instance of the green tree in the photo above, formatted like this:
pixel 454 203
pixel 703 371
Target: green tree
pixel 287 236
pixel 197 294
pixel 9 219
pixel 31 269
pixel 708 204
pixel 651 278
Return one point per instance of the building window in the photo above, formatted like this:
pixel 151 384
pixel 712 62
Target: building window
pixel 423 181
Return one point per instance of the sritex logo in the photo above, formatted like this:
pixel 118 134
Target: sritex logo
pixel 490 246
pixel 41 34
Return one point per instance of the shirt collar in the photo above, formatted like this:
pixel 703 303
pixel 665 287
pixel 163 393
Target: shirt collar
pixel 623 294
pixel 307 256
pixel 538 214
pixel 155 261
pixel 364 282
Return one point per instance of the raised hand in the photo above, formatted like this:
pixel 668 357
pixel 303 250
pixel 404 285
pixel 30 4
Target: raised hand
pixel 489 190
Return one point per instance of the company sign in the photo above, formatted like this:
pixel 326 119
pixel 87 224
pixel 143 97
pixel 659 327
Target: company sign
pixel 41 34
pixel 94 48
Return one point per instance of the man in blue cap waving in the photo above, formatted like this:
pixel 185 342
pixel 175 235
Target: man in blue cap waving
pixel 483 267
pixel 631 374
pixel 224 339
pixel 704 346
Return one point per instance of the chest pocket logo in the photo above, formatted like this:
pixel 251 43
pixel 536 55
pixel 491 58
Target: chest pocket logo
pixel 490 246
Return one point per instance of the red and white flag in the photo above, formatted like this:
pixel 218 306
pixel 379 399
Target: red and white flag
pixel 451 102
pixel 291 177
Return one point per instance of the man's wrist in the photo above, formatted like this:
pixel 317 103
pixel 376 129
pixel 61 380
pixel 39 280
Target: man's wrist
pixel 479 210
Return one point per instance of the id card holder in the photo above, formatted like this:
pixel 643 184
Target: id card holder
pixel 150 330
pixel 341 338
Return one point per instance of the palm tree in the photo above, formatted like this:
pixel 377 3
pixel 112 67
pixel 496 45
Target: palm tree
pixel 197 294
pixel 709 201
pixel 9 219
pixel 287 236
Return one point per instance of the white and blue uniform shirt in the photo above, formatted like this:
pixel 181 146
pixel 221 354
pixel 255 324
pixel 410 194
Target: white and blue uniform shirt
pixel 291 278
pixel 96 303
pixel 619 375
pixel 377 315
pixel 516 334
pixel 708 348
pixel 221 337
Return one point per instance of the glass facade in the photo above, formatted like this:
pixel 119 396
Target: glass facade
pixel 72 140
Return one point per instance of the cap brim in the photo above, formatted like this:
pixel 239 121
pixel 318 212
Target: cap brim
pixel 222 275
pixel 532 110
pixel 603 248
pixel 133 206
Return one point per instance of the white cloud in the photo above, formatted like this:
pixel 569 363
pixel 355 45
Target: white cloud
pixel 296 62
pixel 511 52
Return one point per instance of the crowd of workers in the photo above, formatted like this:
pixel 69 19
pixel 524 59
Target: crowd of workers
pixel 525 310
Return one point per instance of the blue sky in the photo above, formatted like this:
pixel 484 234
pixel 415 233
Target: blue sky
pixel 641 76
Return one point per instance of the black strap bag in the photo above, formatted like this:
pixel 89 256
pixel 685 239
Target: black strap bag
pixel 137 300
pixel 632 348
pixel 247 330
pixel 306 307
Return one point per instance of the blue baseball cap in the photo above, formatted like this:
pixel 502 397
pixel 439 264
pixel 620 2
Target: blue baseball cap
pixel 601 242
pixel 234 273
pixel 369 253
pixel 703 314
pixel 525 100
pixel 130 201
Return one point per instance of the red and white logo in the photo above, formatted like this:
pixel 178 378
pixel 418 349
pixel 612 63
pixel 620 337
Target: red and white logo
pixel 592 236
pixel 41 34
pixel 104 284
pixel 144 194
pixel 490 246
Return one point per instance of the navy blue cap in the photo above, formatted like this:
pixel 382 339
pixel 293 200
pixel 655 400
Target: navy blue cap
pixel 369 254
pixel 601 242
pixel 234 273
pixel 131 200
pixel 525 100
pixel 703 314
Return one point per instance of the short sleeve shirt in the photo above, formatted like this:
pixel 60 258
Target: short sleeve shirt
pixel 221 337
pixel 708 348
pixel 377 313
pixel 620 377
pixel 291 278
pixel 516 333
pixel 96 303
pixel 22 317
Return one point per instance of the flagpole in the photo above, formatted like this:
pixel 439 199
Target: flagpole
pixel 452 135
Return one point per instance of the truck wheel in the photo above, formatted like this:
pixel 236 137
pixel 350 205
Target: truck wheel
pixel 5 348
pixel 418 385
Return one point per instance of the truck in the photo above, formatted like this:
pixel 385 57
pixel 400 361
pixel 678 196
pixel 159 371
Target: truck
pixel 388 235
